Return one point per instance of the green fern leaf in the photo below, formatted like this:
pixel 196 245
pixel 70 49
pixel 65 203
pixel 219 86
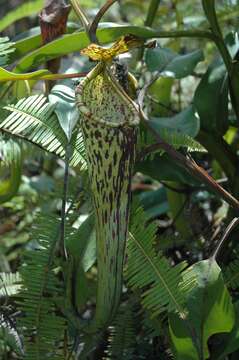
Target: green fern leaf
pixel 11 162
pixel 122 338
pixel 6 48
pixel 160 282
pixel 174 138
pixel 34 120
pixel 9 284
pixel 78 153
pixel 179 139
pixel 9 336
pixel 42 324
pixel 10 152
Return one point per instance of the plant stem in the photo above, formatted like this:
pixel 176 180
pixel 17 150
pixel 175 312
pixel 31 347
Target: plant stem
pixel 227 232
pixel 185 34
pixel 83 18
pixel 231 65
pixel 98 17
pixel 62 76
pixel 221 151
pixel 210 12
pixel 190 165
pixel 48 77
pixel 152 10
pixel 62 246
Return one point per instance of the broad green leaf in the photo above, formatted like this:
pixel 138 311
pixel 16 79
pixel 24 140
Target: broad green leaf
pixel 81 246
pixel 163 167
pixel 157 59
pixel 177 202
pixel 232 42
pixel 183 65
pixel 161 91
pixel 6 48
pixel 154 202
pixel 186 122
pixel 66 44
pixel 24 10
pixel 43 184
pixel 81 243
pixel 10 76
pixel 210 311
pixel 84 288
pixel 210 12
pixel 89 256
pixel 211 99
pixel 9 187
pixel 30 40
pixel 172 64
pixel 229 342
pixel 63 97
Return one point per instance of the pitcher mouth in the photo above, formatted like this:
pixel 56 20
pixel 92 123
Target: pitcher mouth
pixel 132 118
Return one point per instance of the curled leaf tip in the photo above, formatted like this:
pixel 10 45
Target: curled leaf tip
pixel 121 46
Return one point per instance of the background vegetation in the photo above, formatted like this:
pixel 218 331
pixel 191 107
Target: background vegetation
pixel 181 277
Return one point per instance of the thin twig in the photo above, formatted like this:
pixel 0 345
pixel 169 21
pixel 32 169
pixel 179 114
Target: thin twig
pixel 152 12
pixel 227 232
pixel 83 18
pixel 179 212
pixel 62 246
pixel 185 190
pixel 6 90
pixel 144 89
pixel 98 17
pixel 190 165
pixel 168 108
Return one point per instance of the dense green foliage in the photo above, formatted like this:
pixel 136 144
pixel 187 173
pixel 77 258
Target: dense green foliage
pixel 178 263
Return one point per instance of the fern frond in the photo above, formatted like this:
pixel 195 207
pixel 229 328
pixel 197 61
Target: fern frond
pixel 179 139
pixel 9 335
pixel 78 155
pixel 41 290
pixel 34 120
pixel 176 139
pixel 122 338
pixel 9 284
pixel 6 48
pixel 10 152
pixel 152 273
pixel 10 163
